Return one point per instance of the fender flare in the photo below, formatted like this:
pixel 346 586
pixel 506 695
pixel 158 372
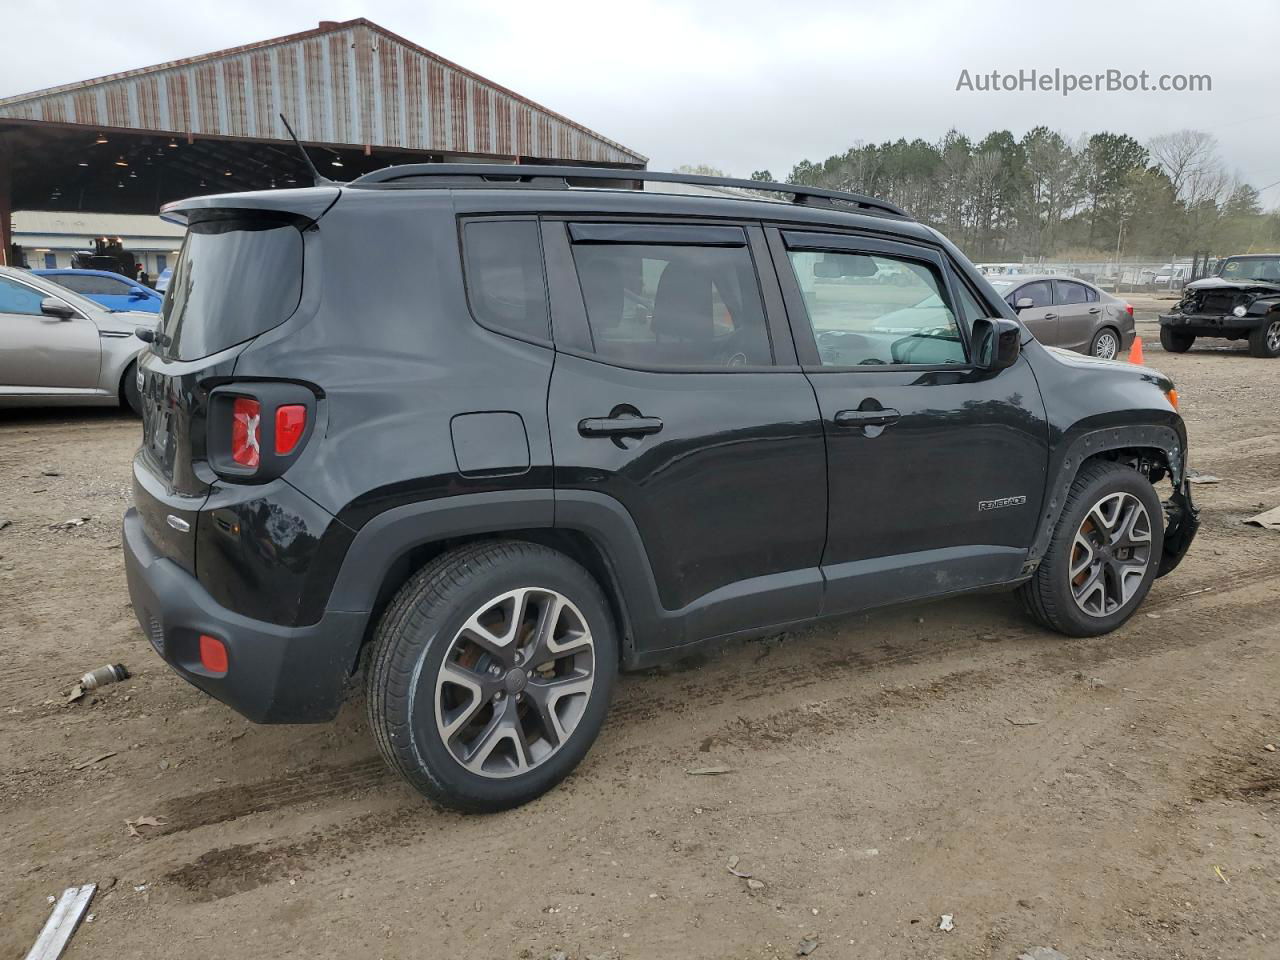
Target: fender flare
pixel 604 521
pixel 1077 450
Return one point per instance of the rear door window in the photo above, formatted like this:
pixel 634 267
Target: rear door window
pixel 239 275
pixel 89 284
pixel 1069 292
pixel 668 304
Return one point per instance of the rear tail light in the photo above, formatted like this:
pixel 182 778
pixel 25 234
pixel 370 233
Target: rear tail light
pixel 257 429
pixel 246 432
pixel 1128 308
pixel 291 421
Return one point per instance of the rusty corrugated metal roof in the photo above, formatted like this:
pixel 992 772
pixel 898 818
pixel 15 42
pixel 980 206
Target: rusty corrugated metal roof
pixel 345 84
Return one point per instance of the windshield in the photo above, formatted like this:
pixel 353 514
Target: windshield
pixel 238 275
pixel 1251 268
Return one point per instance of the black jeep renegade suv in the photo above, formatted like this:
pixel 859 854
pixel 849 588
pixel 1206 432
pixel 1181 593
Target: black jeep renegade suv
pixel 485 436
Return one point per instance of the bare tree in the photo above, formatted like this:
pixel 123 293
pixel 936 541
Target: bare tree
pixel 1189 158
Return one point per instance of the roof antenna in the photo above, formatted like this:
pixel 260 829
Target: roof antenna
pixel 319 178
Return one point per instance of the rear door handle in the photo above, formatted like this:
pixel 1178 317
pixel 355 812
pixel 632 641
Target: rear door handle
pixel 1095 309
pixel 1051 316
pixel 866 418
pixel 619 426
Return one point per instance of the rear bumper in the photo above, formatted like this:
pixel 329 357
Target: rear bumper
pixel 275 674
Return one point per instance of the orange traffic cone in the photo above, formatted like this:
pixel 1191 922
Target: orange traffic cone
pixel 1135 352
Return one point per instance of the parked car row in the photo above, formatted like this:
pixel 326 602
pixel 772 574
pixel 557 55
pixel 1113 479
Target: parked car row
pixel 58 346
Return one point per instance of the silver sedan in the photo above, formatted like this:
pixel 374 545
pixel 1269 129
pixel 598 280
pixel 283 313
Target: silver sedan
pixel 1066 312
pixel 57 347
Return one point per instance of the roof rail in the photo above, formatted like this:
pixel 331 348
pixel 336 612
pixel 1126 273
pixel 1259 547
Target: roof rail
pixel 536 175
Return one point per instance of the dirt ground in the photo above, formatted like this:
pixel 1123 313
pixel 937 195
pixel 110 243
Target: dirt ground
pixel 1111 798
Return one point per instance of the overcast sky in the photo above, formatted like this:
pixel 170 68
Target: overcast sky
pixel 750 85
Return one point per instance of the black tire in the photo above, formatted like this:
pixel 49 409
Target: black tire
pixel 129 395
pixel 1175 341
pixel 418 631
pixel 1107 335
pixel 1264 341
pixel 1048 596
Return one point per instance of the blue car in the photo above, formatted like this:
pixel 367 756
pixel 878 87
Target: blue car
pixel 113 291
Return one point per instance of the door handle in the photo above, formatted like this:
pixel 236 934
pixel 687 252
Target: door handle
pixel 1051 316
pixel 866 418
pixel 1095 309
pixel 619 426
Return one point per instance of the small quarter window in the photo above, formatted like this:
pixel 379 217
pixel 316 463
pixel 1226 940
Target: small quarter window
pixel 665 305
pixel 504 276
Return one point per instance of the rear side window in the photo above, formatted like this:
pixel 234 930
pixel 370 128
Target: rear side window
pixel 666 305
pixel 239 274
pixel 1074 292
pixel 505 282
pixel 81 283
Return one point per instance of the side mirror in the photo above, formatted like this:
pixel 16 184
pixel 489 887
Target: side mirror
pixel 997 343
pixel 138 293
pixel 53 307
pixel 145 334
pixel 1024 303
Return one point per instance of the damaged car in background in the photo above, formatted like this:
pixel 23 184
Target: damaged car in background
pixel 1241 301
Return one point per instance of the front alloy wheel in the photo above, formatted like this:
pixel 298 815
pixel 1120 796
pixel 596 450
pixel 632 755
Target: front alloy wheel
pixel 515 682
pixel 1104 553
pixel 1110 554
pixel 1265 341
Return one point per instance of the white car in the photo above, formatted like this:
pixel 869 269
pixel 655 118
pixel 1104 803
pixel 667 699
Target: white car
pixel 57 347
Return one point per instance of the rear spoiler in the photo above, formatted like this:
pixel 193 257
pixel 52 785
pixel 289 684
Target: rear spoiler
pixel 309 202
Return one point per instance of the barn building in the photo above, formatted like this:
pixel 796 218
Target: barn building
pixel 360 96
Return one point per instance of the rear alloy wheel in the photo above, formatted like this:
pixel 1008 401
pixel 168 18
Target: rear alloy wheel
pixel 1264 341
pixel 1175 341
pixel 515 682
pixel 1106 344
pixel 1103 556
pixel 491 673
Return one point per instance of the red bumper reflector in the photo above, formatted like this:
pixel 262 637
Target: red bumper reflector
pixel 213 654
pixel 291 421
